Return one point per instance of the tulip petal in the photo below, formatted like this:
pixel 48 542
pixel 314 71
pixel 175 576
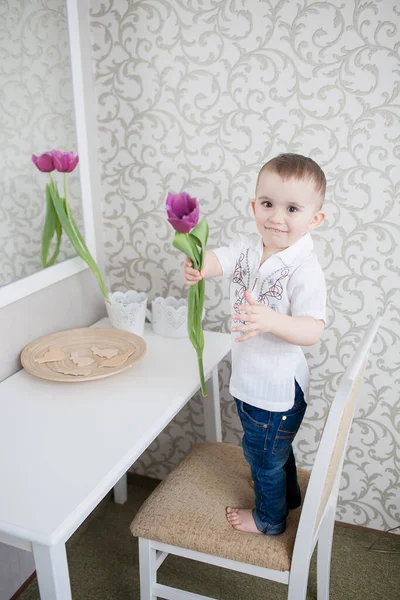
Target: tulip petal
pixel 180 205
pixel 57 161
pixel 44 162
pixel 64 162
pixel 179 225
pixel 183 211
pixel 169 200
pixel 73 162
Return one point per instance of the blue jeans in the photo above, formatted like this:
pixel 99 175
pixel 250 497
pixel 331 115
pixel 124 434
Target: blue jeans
pixel 267 447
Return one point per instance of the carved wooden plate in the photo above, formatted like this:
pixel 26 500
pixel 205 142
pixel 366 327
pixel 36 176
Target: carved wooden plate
pixel 82 354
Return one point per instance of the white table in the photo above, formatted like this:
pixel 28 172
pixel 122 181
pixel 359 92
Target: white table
pixel 64 446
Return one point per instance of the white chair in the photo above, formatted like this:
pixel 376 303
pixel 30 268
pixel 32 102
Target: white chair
pixel 185 515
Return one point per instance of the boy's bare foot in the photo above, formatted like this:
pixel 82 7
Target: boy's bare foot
pixel 241 519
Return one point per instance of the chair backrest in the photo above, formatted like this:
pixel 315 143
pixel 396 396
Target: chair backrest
pixel 324 481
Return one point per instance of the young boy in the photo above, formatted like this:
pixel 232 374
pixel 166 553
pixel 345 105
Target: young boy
pixel 278 300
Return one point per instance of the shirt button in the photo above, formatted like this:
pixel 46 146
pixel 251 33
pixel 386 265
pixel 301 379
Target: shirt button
pixel 284 418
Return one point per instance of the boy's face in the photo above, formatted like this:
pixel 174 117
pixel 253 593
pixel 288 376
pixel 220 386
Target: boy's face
pixel 285 210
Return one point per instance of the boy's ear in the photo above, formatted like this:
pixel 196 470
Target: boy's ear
pixel 317 219
pixel 253 205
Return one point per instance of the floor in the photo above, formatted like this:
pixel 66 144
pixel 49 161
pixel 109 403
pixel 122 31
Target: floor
pixel 103 561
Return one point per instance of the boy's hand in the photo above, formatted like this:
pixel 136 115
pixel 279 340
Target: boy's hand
pixel 260 319
pixel 190 275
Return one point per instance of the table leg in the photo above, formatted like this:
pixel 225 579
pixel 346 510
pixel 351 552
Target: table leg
pixel 212 409
pixel 121 491
pixel 52 572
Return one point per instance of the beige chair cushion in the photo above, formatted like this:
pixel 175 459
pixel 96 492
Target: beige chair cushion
pixel 188 509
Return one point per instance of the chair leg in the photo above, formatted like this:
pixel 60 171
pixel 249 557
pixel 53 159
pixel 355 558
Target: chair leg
pixel 324 554
pixel 298 582
pixel 147 568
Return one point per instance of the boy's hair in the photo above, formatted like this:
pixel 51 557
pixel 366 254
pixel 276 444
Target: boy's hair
pixel 299 167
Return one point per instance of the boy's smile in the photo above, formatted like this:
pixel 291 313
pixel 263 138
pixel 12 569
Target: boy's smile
pixel 285 210
pixel 276 230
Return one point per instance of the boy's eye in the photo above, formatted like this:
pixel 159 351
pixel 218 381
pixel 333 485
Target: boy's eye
pixel 267 204
pixel 292 209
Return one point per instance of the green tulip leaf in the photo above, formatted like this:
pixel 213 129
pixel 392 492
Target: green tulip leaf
pixel 193 244
pixel 200 236
pixel 51 226
pixel 58 243
pixel 71 230
pixel 200 232
pixel 184 244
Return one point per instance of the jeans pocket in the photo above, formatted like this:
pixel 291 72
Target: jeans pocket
pixel 254 434
pixel 288 427
pixel 257 416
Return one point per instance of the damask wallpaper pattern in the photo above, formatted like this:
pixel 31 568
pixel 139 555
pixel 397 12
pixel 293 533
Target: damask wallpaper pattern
pixel 36 116
pixel 196 96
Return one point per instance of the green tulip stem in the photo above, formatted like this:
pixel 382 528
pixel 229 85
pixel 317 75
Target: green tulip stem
pixel 68 211
pixel 201 372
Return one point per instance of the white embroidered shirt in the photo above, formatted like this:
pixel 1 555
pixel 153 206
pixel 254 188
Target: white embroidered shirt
pixel 264 368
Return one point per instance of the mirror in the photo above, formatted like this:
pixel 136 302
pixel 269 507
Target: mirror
pixel 37 108
pixel 84 99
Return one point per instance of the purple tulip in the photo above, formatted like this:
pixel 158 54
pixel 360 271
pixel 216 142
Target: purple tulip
pixel 64 162
pixel 182 211
pixel 44 162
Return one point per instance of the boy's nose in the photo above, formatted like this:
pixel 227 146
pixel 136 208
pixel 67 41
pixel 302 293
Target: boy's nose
pixel 276 217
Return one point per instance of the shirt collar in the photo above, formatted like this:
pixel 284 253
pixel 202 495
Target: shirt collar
pixel 293 253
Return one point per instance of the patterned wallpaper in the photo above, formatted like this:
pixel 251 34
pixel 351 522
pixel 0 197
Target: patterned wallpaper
pixel 36 109
pixel 196 96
